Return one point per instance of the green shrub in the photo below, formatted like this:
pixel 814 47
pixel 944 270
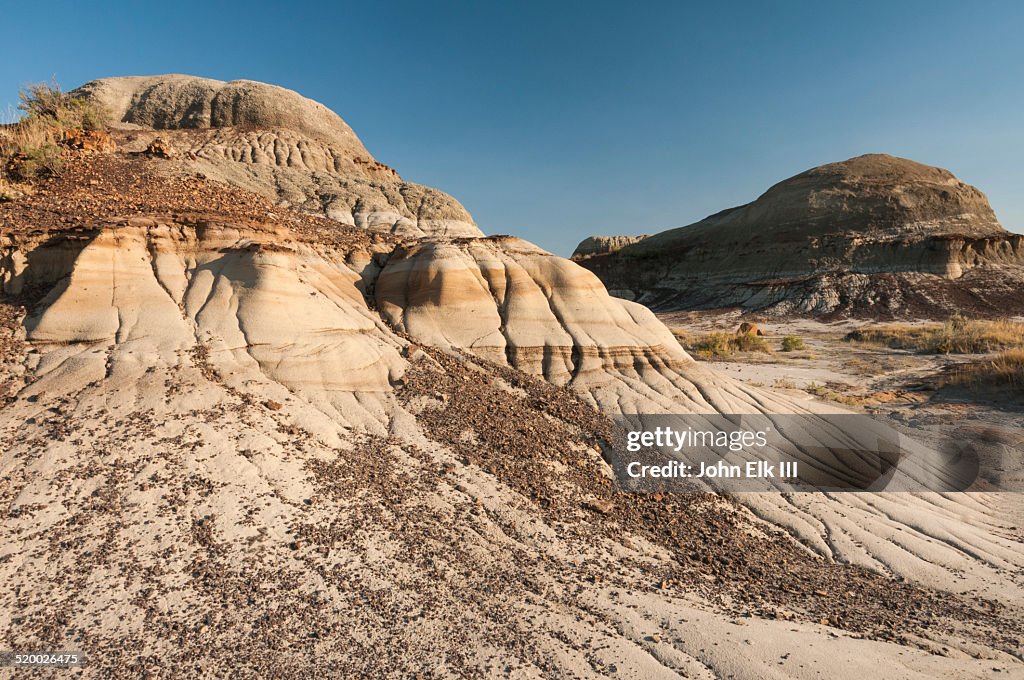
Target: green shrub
pixel 712 344
pixel 46 101
pixel 792 343
pixel 724 344
pixel 747 342
pixel 45 159
pixel 30 147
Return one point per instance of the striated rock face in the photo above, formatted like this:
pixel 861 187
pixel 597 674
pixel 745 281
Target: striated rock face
pixel 275 142
pixel 601 245
pixel 874 235
pixel 516 304
pixel 148 293
pixel 507 301
pixel 172 102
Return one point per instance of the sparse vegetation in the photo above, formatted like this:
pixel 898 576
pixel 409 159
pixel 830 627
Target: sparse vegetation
pixel 725 344
pixel 47 102
pixel 1006 369
pixel 751 343
pixel 792 343
pixel 823 392
pixel 31 146
pixel 681 334
pixel 45 159
pixel 957 336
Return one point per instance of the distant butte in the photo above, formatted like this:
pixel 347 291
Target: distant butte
pixel 873 236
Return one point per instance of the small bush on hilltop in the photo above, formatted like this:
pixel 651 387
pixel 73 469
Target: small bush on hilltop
pixel 46 101
pixel 31 146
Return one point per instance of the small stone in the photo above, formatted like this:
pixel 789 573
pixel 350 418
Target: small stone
pixel 160 148
pixel 600 506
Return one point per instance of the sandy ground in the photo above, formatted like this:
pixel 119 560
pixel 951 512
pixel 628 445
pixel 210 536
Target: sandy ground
pixel 903 387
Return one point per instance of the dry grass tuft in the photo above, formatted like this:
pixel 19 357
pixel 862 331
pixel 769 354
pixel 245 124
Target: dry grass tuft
pixel 830 394
pixel 1006 369
pixel 47 102
pixel 956 336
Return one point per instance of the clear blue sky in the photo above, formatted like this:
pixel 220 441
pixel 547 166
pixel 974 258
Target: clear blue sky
pixel 554 121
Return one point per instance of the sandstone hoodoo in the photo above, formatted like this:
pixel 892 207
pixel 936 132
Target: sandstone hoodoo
pixel 871 236
pixel 275 142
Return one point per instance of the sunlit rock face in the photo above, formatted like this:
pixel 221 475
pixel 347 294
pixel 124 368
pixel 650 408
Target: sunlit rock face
pixel 602 245
pixel 874 235
pixel 275 142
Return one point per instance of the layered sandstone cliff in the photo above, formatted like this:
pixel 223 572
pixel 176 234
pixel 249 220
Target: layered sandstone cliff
pixel 874 235
pixel 601 245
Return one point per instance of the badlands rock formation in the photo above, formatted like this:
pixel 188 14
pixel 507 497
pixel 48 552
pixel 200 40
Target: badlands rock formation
pixel 871 236
pixel 277 143
pixel 243 439
pixel 602 245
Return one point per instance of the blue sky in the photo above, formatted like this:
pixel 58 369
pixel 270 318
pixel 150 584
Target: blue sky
pixel 554 121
